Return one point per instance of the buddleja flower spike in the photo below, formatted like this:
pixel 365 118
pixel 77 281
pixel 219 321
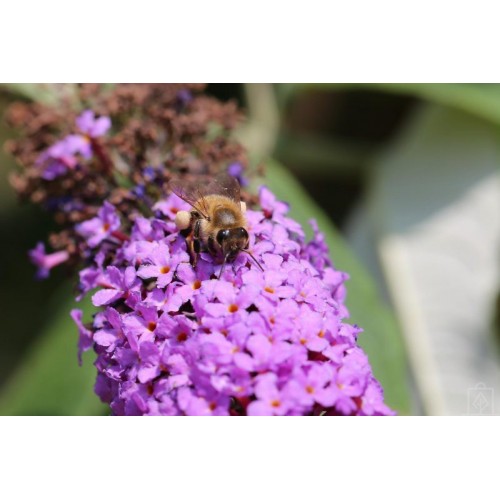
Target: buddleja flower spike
pixel 175 330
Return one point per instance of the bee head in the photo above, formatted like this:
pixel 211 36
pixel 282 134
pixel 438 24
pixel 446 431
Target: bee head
pixel 232 241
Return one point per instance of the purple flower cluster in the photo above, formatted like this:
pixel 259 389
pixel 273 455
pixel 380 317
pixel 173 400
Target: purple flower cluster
pixel 173 340
pixel 265 339
pixel 64 154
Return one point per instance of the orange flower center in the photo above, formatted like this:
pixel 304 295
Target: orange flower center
pixel 182 337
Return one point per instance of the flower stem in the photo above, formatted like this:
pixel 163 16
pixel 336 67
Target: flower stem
pixel 101 153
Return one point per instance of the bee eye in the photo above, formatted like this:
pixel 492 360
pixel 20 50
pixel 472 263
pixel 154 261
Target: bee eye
pixel 222 235
pixel 243 233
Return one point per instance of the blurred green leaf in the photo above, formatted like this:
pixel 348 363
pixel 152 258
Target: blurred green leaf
pixel 323 156
pixel 479 99
pixel 40 92
pixel 381 339
pixel 49 380
pixel 46 93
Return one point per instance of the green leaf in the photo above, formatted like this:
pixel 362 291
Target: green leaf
pixel 482 100
pixel 46 93
pixel 381 339
pixel 49 380
pixel 322 156
pixel 33 91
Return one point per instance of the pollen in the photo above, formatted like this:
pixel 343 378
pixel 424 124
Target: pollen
pixel 276 403
pixel 197 285
pixel 321 334
pixel 269 289
pixel 151 326
pixel 303 341
pixel 164 269
pixel 309 389
pixel 212 406
pixel 232 308
pixel 106 226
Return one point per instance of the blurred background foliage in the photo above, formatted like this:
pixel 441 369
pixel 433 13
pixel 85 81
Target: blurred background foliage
pixel 325 148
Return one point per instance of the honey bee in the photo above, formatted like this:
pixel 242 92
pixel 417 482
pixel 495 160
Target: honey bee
pixel 217 222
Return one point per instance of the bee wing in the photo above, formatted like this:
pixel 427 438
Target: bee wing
pixel 192 194
pixel 224 185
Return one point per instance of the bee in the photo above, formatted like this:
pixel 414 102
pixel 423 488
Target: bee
pixel 217 222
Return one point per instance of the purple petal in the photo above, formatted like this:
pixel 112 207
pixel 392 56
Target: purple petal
pixel 100 126
pixel 105 297
pixel 85 335
pixel 147 373
pixel 104 338
pixel 259 409
pixel 148 271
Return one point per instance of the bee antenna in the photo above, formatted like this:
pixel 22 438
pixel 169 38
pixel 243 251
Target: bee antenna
pixel 223 265
pixel 254 259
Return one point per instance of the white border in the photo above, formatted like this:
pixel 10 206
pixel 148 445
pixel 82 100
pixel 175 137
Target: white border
pixel 263 458
pixel 258 41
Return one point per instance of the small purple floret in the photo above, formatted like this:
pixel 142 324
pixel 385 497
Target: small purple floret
pixel 101 227
pixel 91 126
pixel 236 171
pixel 66 154
pixel 45 262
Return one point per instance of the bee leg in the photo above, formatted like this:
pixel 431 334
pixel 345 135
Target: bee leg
pixel 194 244
pixel 211 246
pixel 196 251
pixel 193 257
